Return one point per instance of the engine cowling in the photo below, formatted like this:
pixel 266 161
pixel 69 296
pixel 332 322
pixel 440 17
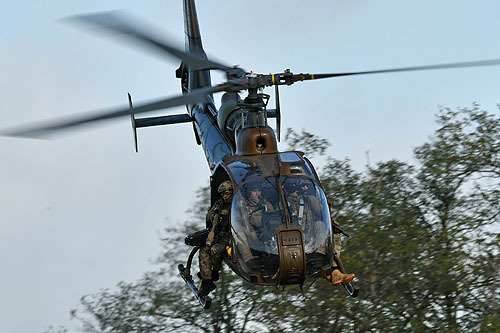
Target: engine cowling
pixel 256 140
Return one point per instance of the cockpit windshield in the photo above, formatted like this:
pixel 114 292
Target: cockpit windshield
pixel 257 213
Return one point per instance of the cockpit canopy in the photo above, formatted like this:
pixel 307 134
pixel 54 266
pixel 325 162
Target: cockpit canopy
pixel 263 206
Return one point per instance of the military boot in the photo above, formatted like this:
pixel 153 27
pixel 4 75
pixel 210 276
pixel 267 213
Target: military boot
pixel 206 287
pixel 337 277
pixel 215 276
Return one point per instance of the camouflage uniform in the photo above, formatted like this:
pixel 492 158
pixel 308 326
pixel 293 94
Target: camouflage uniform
pixel 336 238
pixel 210 257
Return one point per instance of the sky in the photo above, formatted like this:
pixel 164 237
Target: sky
pixel 83 211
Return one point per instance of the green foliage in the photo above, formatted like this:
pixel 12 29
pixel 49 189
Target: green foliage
pixel 424 245
pixel 306 142
pixel 459 177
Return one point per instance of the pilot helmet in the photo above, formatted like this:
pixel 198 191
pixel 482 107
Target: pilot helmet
pixel 254 186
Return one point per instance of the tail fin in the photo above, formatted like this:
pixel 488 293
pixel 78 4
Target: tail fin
pixel 192 29
pixel 197 79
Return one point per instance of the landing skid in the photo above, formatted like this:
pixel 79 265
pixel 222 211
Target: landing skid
pixel 352 291
pixel 204 301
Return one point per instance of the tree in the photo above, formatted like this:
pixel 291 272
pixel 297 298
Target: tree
pixel 383 215
pixel 308 143
pixel 459 177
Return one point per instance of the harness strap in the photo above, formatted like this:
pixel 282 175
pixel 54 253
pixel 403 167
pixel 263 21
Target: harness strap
pixel 301 210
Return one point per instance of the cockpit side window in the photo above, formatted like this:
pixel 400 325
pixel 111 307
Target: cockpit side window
pixel 290 157
pixel 296 164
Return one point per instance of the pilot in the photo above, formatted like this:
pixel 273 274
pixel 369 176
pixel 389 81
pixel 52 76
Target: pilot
pixel 305 209
pixel 251 210
pixel 255 205
pixel 218 221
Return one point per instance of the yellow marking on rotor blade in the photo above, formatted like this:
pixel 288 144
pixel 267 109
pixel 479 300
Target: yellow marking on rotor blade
pixel 312 76
pixel 273 78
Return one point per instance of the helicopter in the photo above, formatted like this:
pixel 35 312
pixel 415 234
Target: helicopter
pixel 233 149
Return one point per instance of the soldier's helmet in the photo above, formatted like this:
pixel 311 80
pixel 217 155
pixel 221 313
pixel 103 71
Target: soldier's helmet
pixel 254 186
pixel 225 186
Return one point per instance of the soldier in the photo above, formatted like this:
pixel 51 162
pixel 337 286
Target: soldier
pixel 254 206
pixel 218 221
pixel 305 209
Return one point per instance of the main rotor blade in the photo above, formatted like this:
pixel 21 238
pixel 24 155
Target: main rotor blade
pixel 38 131
pixel 116 23
pixel 493 62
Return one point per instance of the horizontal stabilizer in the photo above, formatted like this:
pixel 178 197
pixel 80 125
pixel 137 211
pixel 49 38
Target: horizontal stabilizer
pixel 272 113
pixel 163 120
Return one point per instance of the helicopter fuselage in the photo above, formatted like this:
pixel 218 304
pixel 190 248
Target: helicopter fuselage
pixel 290 240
